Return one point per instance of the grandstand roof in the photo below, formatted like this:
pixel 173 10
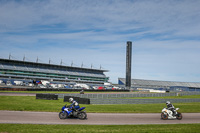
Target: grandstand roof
pixel 14 69
pixel 158 84
pixel 50 65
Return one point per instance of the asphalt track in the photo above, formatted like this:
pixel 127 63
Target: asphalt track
pixel 26 117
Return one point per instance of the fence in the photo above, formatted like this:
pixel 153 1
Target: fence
pixel 103 96
pixel 116 98
pixel 140 101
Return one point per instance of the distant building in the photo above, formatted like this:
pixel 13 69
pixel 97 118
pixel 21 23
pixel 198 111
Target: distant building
pixel 166 85
pixel 23 70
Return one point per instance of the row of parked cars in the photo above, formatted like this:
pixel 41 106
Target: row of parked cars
pixel 48 84
pixel 17 83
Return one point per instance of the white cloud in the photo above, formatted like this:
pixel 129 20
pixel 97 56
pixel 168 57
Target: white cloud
pixel 165 35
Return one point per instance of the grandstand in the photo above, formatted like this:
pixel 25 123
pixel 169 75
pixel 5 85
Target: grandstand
pixel 24 70
pixel 166 85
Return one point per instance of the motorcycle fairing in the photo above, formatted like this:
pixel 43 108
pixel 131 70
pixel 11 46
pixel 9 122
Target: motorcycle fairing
pixel 81 108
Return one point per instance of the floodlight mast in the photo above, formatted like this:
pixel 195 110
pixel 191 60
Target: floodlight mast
pixel 128 64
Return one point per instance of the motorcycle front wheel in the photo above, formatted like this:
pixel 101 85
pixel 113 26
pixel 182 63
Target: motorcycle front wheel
pixel 82 115
pixel 164 116
pixel 62 115
pixel 179 116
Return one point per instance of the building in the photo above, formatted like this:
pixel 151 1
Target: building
pixel 33 71
pixel 165 85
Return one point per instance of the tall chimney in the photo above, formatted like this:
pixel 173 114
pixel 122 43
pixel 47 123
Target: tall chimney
pixel 128 64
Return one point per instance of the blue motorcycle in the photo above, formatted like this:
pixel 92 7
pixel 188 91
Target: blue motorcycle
pixel 70 112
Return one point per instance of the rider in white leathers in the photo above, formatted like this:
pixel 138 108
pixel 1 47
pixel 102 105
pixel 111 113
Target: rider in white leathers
pixel 171 107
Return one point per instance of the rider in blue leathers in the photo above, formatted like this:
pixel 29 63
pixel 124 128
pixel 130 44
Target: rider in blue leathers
pixel 75 105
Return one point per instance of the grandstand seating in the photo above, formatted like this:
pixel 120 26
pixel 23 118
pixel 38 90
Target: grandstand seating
pixel 47 71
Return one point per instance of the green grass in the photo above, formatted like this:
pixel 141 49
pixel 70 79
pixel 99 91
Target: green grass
pixel 30 103
pixel 28 128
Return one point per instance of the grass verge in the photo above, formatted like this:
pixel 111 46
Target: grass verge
pixel 29 128
pixel 30 103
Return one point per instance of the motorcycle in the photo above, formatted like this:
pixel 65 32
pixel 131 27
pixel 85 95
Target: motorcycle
pixel 69 112
pixel 168 114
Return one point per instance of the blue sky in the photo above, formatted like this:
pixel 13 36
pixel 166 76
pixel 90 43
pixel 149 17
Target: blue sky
pixel 165 35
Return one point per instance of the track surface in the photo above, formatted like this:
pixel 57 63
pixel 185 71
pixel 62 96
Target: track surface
pixel 25 117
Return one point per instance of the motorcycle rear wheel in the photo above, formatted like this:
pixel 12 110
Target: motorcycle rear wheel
pixel 82 116
pixel 62 115
pixel 179 116
pixel 164 116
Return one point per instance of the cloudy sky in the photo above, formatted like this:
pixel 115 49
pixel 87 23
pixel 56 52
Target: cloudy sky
pixel 165 35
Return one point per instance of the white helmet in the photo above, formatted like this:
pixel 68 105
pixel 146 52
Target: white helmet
pixel 168 102
pixel 71 100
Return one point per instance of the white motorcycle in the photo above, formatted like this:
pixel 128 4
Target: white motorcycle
pixel 168 114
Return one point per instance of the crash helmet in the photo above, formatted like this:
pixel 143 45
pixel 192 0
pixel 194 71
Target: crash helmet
pixel 168 102
pixel 71 100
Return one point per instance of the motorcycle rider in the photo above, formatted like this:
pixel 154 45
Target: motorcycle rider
pixel 171 107
pixel 74 104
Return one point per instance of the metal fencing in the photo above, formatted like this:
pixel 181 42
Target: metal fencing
pixel 118 98
pixel 140 101
pixel 108 96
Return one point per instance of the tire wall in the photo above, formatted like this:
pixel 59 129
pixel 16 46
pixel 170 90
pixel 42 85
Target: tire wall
pixel 47 96
pixel 78 99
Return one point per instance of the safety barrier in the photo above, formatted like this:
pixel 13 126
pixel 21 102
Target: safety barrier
pixel 103 96
pixel 78 99
pixel 115 98
pixel 47 96
pixel 140 101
